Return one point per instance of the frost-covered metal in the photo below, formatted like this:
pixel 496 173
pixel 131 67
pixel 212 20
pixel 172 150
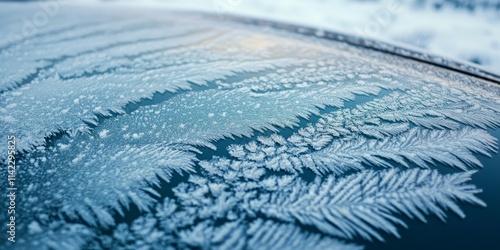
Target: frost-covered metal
pixel 129 132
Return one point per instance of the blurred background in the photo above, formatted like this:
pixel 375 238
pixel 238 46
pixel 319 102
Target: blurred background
pixel 460 29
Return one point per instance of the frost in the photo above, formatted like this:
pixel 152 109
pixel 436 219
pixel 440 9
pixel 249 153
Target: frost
pixel 259 235
pixel 363 203
pixel 76 177
pixel 140 157
pixel 387 119
pixel 208 134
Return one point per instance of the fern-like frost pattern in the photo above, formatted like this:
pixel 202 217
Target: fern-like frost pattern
pixel 183 131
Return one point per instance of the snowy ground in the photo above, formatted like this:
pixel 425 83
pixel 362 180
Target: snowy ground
pixel 466 30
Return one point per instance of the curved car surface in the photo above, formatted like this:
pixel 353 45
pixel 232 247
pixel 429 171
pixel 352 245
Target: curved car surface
pixel 146 129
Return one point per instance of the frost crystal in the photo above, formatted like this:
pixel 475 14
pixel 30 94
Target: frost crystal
pixel 183 131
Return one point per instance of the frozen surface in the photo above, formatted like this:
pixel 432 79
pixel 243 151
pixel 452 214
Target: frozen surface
pixel 453 28
pixel 145 128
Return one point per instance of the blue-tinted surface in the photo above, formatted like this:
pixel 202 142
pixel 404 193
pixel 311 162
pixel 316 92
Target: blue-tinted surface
pixel 132 130
pixel 479 230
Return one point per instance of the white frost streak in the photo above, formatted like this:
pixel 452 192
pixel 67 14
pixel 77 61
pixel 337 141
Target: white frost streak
pixel 135 102
pixel 363 203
